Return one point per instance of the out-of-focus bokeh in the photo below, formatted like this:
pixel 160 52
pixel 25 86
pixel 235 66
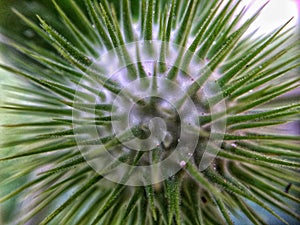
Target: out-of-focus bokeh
pixel 276 13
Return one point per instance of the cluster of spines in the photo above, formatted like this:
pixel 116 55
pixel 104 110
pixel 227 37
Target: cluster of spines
pixel 246 160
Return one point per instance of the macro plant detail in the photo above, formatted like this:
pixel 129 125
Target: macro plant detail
pixel 152 112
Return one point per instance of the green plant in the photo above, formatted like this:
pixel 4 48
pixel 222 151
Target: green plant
pixel 192 78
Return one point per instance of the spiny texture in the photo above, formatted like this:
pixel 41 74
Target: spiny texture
pixel 168 115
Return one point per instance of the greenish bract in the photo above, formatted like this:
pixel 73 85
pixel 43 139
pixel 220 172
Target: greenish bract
pixel 151 112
